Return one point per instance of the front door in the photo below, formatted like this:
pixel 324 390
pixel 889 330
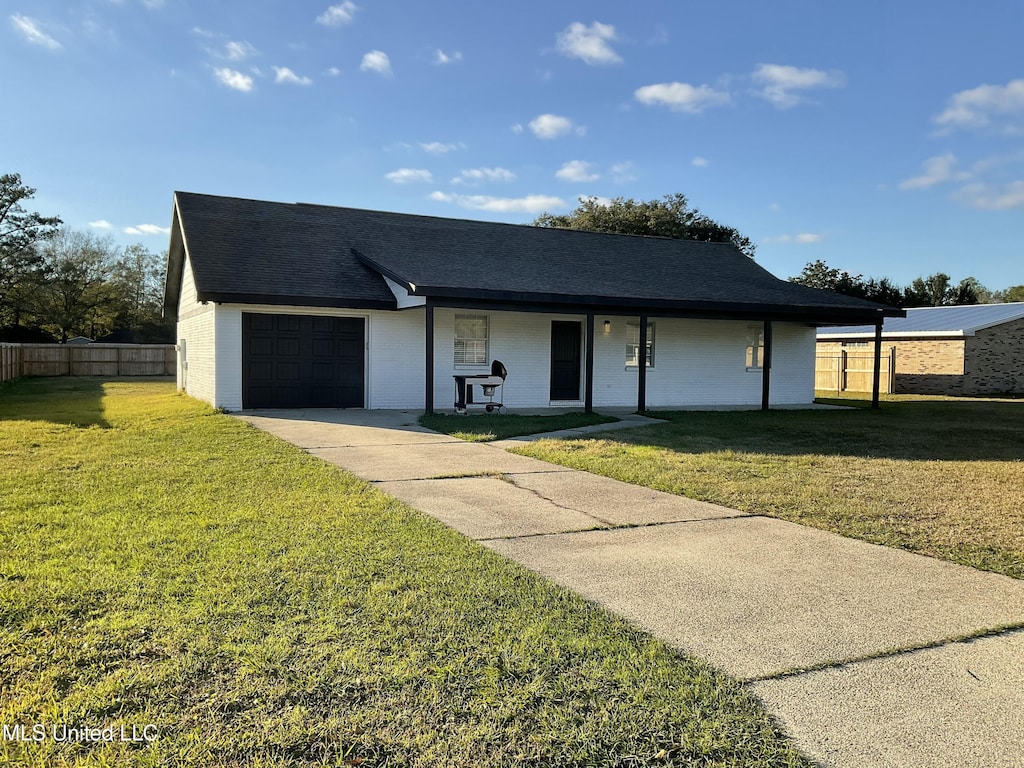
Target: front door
pixel 566 355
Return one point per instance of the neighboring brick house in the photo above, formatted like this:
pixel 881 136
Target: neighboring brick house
pixel 976 349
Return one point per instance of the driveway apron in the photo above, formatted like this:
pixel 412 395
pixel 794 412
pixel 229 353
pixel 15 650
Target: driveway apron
pixel 870 656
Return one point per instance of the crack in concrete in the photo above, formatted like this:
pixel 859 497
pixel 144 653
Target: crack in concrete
pixel 511 480
pixel 1001 631
pixel 378 445
pixel 613 527
pixel 495 475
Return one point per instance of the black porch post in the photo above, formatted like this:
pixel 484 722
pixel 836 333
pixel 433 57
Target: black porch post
pixel 766 365
pixel 588 395
pixel 876 374
pixel 428 366
pixel 641 368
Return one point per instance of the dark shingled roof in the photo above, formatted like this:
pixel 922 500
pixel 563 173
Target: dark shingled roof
pixel 254 252
pixel 249 251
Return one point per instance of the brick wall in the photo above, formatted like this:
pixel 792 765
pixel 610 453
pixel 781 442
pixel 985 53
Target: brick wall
pixel 995 360
pixel 196 362
pixel 930 366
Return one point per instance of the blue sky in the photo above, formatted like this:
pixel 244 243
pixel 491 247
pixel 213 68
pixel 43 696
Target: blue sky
pixel 886 138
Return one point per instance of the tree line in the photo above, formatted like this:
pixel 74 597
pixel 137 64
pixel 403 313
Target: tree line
pixel 937 290
pixel 57 283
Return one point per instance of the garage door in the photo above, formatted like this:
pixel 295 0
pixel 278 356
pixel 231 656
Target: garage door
pixel 302 361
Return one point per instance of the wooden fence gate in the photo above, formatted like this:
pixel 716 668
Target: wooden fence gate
pixel 846 371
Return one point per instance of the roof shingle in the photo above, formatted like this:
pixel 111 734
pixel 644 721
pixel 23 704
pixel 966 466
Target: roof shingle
pixel 315 255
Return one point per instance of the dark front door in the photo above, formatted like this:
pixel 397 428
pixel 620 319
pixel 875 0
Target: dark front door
pixel 302 361
pixel 566 338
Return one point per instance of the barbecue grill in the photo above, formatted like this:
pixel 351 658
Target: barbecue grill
pixel 491 386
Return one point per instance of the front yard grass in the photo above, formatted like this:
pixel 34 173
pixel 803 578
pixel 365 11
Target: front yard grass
pixel 165 565
pixel 485 427
pixel 939 476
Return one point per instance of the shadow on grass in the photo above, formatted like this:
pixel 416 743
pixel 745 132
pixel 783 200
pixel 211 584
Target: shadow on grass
pixel 75 400
pixel 918 430
pixel 487 427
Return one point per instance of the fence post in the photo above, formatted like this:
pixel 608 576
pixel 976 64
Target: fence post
pixel 119 362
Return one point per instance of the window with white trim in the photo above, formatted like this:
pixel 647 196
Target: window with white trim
pixel 471 340
pixel 633 344
pixel 755 348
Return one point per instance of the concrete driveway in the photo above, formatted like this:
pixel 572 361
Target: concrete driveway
pixel 869 656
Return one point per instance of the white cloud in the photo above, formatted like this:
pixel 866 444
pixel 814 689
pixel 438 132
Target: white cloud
pixel 622 173
pixel 590 44
pixel 333 71
pixel 936 170
pixel 804 238
pixel 699 162
pixel 202 32
pixel 233 79
pixel 376 61
pixel 285 75
pixel 993 197
pixel 681 97
pixel 101 224
pixel 604 202
pixel 147 229
pixel 437 147
pixel 552 126
pixel 409 175
pixel 29 28
pixel 474 176
pixel 517 128
pixel 577 171
pixel 526 204
pixel 442 58
pixel 238 50
pixel 337 15
pixel 782 84
pixel 977 107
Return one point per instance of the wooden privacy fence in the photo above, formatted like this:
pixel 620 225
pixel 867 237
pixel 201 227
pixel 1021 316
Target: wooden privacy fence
pixel 87 360
pixel 854 371
pixel 10 361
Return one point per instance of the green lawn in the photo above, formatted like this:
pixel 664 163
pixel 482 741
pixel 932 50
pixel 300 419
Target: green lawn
pixel 162 564
pixel 939 476
pixel 484 427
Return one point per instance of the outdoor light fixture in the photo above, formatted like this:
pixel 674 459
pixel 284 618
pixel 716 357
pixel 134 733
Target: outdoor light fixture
pixel 607 326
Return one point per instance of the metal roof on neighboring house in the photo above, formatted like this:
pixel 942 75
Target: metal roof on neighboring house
pixel 252 251
pixel 965 320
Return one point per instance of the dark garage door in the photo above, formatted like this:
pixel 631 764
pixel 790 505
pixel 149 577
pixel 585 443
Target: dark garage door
pixel 302 361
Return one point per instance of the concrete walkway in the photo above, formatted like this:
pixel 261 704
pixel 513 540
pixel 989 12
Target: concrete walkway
pixel 863 652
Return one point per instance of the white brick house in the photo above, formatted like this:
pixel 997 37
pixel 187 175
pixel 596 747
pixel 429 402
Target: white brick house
pixel 281 305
